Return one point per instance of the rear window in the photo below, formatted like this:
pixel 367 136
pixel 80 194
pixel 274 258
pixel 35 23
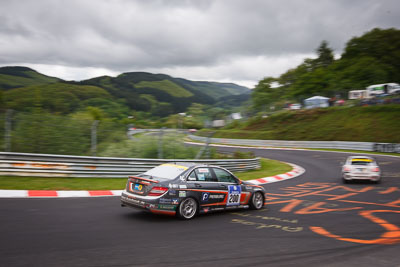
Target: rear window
pixel 167 171
pixel 362 162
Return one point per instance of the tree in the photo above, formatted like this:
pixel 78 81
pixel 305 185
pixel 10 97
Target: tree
pixel 325 56
pixel 264 94
pixel 370 59
pixel 358 73
pixel 311 83
pixel 196 109
pixel 382 45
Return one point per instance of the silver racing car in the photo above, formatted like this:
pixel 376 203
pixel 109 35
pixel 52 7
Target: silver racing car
pixel 188 189
pixel 361 168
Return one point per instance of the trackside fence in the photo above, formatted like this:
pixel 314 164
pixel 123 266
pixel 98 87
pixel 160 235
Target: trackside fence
pixel 48 165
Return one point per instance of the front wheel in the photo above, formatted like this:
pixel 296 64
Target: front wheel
pixel 257 201
pixel 187 209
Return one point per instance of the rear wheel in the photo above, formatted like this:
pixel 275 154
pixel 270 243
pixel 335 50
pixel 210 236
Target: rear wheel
pixel 257 201
pixel 187 209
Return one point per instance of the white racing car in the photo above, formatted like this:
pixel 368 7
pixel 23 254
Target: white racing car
pixel 361 168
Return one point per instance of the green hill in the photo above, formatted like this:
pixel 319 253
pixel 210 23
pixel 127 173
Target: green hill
pixel 167 86
pixel 368 124
pixel 56 97
pixel 160 95
pixel 143 91
pixel 213 89
pixel 14 77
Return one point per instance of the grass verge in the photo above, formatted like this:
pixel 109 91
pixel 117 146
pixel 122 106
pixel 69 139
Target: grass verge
pixel 268 168
pixel 57 183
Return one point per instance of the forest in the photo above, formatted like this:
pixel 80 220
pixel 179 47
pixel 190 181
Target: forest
pixel 372 58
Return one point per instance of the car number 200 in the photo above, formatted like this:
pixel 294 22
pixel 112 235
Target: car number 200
pixel 233 195
pixel 234 198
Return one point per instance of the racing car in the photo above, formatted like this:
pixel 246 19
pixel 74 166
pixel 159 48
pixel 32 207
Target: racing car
pixel 187 189
pixel 361 168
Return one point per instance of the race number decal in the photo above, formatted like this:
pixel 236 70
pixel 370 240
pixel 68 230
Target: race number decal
pixel 233 195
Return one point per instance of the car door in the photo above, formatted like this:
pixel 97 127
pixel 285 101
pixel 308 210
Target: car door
pixel 236 193
pixel 203 183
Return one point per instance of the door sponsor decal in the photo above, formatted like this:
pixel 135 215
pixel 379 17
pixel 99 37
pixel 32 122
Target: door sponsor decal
pixel 205 196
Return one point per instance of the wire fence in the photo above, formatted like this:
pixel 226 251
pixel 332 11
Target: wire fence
pixel 81 135
pixel 55 134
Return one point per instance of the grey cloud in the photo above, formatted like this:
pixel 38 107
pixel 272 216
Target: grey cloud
pixel 124 34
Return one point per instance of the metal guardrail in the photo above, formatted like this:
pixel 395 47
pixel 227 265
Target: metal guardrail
pixel 47 165
pixel 364 146
pixel 387 147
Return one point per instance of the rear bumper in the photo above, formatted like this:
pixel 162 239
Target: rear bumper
pixel 151 204
pixel 349 176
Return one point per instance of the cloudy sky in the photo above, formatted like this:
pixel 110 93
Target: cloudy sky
pixel 238 41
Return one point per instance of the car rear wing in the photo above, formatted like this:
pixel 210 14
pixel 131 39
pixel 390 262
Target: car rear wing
pixel 144 181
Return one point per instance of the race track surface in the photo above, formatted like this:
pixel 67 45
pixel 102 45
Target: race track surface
pixel 311 220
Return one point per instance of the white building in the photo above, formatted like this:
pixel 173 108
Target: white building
pixel 358 94
pixel 316 102
pixel 218 123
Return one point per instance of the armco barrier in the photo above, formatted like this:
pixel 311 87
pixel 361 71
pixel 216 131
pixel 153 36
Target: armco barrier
pixel 387 147
pixel 365 146
pixel 47 165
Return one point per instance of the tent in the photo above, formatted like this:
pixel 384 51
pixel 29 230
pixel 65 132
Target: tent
pixel 317 102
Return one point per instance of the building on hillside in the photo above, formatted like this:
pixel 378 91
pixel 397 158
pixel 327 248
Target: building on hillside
pixel 358 94
pixel 218 123
pixel 316 102
pixel 236 116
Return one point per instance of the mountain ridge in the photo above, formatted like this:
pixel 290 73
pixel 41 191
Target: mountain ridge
pixel 159 94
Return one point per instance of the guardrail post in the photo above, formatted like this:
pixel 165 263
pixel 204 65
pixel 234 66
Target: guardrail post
pixel 94 137
pixel 205 148
pixel 160 143
pixel 7 128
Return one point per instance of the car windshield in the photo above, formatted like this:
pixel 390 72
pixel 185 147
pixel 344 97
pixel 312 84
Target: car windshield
pixel 166 171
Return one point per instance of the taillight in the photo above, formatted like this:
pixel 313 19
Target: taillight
pixel 157 191
pixel 346 169
pixel 376 169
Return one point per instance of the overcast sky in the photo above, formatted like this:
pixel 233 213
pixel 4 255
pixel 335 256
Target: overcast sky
pixel 239 41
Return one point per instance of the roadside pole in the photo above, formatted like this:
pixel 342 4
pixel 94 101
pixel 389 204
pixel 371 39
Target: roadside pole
pixel 94 137
pixel 205 148
pixel 7 127
pixel 160 143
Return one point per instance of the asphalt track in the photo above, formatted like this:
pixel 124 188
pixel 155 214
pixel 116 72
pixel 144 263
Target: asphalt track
pixel 311 220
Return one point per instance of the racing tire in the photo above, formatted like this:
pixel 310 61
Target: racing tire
pixel 257 201
pixel 187 209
